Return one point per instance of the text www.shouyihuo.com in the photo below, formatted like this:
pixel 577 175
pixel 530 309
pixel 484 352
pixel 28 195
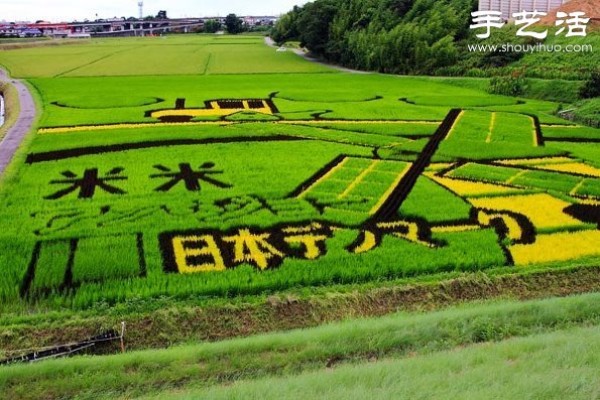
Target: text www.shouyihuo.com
pixel 530 48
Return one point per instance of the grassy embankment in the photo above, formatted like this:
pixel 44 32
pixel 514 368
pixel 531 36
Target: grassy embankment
pixel 11 106
pixel 416 336
pixel 556 365
pixel 167 321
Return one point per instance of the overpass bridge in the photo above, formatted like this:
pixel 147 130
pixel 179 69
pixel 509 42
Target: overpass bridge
pixel 119 27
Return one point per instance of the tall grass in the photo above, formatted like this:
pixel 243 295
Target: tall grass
pixel 302 350
pixel 11 106
pixel 560 365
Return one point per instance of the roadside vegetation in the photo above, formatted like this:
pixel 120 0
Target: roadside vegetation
pixel 556 365
pixel 11 107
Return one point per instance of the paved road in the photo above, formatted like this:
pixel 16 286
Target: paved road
pixel 24 123
pixel 304 55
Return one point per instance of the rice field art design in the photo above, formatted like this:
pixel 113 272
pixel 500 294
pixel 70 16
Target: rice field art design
pixel 228 194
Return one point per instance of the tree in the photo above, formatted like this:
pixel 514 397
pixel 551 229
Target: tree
pixel 315 23
pixel 392 36
pixel 234 24
pixel 286 27
pixel 401 7
pixel 212 26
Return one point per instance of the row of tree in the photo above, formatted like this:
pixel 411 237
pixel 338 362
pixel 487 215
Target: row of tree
pixel 392 36
pixel 233 24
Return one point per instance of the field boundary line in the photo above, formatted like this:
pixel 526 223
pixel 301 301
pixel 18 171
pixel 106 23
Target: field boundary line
pixel 390 190
pixel 391 206
pixel 62 74
pixel 55 155
pixel 510 180
pixel 140 125
pixel 491 131
pixel 137 125
pixel 456 122
pixel 577 187
pixel 356 121
pixel 536 139
pixel 361 177
pixel 328 171
pixel 208 60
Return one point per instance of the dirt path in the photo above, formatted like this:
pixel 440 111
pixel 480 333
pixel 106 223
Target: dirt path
pixel 15 135
pixel 304 55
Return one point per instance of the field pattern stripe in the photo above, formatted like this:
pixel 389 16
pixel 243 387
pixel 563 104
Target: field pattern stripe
pixel 62 74
pixel 538 136
pixel 320 176
pixel 455 228
pixel 361 177
pixel 536 141
pixel 390 190
pixel 491 131
pixel 573 140
pixel 357 121
pixel 33 158
pixel 137 125
pixel 207 64
pixel 577 188
pixel 391 206
pixel 536 168
pixel 510 180
pixel 456 122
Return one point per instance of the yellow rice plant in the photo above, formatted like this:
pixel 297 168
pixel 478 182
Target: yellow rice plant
pixel 558 247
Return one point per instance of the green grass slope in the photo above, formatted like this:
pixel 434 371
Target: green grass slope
pixel 417 336
pixel 560 365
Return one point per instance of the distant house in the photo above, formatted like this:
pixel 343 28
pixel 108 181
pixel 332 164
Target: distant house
pixel 8 30
pixel 509 7
pixel 30 33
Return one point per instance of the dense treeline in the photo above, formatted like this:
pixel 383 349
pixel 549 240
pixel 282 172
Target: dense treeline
pixel 393 36
pixel 429 37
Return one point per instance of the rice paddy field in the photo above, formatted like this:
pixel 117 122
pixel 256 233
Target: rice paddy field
pixel 205 187
pixel 212 166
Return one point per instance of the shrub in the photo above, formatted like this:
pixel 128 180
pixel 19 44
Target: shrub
pixel 591 88
pixel 513 85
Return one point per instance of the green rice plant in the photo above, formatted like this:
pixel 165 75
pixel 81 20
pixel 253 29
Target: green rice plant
pixel 110 195
pixel 590 187
pixel 547 180
pixel 572 133
pixel 107 258
pixel 404 129
pixel 486 173
pixel 434 203
pixel 51 267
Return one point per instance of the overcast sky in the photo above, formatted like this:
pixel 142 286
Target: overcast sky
pixel 68 10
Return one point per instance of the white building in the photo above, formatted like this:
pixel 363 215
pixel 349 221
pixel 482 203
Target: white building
pixel 508 7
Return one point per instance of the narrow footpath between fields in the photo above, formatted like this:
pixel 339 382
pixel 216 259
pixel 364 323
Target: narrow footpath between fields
pixel 270 42
pixel 15 135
